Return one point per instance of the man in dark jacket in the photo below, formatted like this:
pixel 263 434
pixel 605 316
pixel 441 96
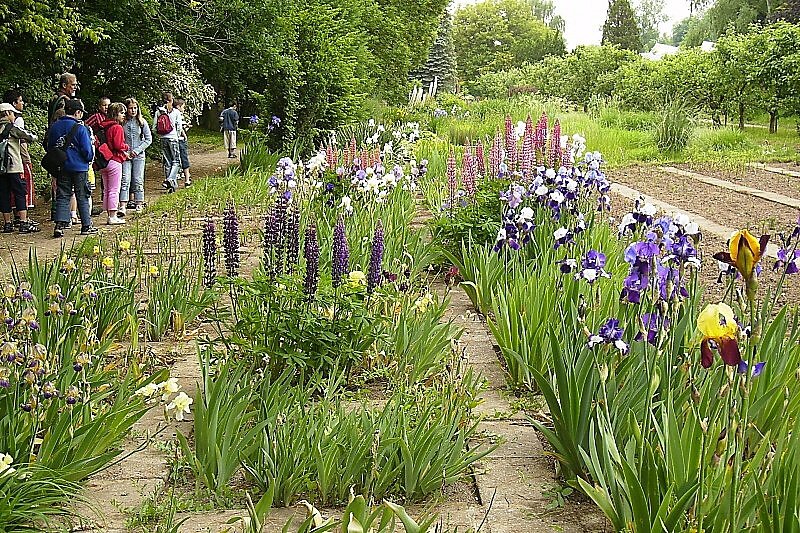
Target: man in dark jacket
pixel 74 173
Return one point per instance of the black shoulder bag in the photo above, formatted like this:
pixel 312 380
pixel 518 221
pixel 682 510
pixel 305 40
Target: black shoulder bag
pixel 55 157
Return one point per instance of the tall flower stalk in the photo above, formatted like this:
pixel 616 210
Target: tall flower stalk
pixel 209 252
pixel 452 183
pixel 340 262
pixel 311 252
pixel 230 241
pixel 376 259
pixel 292 239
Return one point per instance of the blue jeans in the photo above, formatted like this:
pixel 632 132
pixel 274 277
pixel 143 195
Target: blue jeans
pixel 172 161
pixel 132 180
pixel 66 183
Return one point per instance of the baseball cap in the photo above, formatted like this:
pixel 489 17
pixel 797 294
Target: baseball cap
pixel 5 107
pixel 72 105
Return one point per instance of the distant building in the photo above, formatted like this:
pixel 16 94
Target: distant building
pixel 660 50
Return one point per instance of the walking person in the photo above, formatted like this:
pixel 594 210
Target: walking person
pixel 14 97
pixel 73 137
pixel 11 171
pixel 138 137
pixel 168 122
pixel 183 145
pixel 230 125
pixel 115 150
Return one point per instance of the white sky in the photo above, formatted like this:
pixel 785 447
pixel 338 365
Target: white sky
pixel 585 18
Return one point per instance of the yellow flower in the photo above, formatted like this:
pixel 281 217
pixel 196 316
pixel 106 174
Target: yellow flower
pixel 327 312
pixel 9 291
pixel 108 262
pixel 744 253
pixel 68 265
pixel 169 387
pixel 357 278
pixel 53 291
pixel 125 246
pixel 29 314
pixel 422 303
pixel 717 324
pixel 153 270
pixel 96 251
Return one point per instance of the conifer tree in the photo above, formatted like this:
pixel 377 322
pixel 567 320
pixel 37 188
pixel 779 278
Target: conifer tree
pixel 621 28
pixel 441 61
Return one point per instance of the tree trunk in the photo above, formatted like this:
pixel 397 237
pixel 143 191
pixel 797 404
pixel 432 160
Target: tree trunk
pixel 741 115
pixel 726 118
pixel 773 121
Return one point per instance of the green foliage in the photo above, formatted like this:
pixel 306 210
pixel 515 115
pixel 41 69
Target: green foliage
pixel 621 28
pixel 441 61
pixel 673 132
pixel 31 497
pixel 500 34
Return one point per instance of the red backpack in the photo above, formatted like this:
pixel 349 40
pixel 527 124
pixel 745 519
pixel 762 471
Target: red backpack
pixel 164 124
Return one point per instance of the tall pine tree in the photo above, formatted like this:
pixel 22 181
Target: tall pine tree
pixel 441 62
pixel 621 28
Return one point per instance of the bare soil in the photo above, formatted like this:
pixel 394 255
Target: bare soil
pixel 750 177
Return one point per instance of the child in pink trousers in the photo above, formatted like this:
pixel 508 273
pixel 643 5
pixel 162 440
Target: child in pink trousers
pixel 115 150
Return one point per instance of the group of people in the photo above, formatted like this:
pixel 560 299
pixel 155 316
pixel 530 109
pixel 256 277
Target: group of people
pixel 113 141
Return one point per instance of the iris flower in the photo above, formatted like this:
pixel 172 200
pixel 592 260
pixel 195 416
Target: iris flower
pixel 720 330
pixel 744 253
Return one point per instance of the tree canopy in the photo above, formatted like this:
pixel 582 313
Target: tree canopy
pixel 621 28
pixel 500 34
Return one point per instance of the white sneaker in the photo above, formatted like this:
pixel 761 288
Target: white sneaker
pixel 121 212
pixel 139 208
pixel 115 220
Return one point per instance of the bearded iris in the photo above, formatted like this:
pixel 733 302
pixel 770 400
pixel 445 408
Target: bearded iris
pixel 718 326
pixel 744 253
pixel 610 333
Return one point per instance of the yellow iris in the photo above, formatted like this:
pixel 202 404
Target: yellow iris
pixel 717 324
pixel 125 245
pixel 745 251
pixel 108 262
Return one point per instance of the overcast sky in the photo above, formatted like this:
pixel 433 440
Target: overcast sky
pixel 585 18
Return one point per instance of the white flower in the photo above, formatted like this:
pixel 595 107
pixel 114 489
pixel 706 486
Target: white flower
pixel 550 173
pixel 497 43
pixel 5 464
pixel 371 123
pixel 317 162
pixel 148 390
pixel 169 387
pixel 346 204
pixel 541 190
pixel 519 131
pixel 560 233
pixel 181 405
pixel 648 209
pixel 526 213
pixel 557 196
pixel 691 228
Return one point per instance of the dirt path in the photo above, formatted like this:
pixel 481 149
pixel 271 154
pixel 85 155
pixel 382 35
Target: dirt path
pixel 14 246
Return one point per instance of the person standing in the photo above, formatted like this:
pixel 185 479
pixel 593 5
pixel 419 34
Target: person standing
pixel 67 88
pixel 115 150
pixel 168 122
pixel 15 98
pixel 73 176
pixel 183 145
pixel 138 137
pixel 95 122
pixel 230 125
pixel 11 178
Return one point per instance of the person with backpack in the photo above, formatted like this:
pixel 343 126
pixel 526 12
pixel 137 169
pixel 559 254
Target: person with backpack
pixel 95 122
pixel 14 97
pixel 11 170
pixel 112 150
pixel 183 145
pixel 138 137
pixel 230 124
pixel 168 123
pixel 69 134
pixel 67 88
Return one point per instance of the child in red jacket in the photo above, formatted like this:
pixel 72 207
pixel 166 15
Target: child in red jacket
pixel 115 150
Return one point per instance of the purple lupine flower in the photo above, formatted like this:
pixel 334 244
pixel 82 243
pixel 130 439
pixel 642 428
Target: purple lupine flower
pixel 278 234
pixel 292 239
pixel 610 333
pixel 452 184
pixel 341 253
pixel 593 267
pixel 209 252
pixel 230 241
pixel 311 252
pixel 653 324
pixel 375 259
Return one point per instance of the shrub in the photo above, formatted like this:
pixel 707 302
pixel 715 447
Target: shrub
pixel 673 132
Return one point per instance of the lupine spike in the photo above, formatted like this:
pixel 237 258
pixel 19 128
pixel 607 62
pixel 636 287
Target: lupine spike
pixel 292 239
pixel 340 262
pixel 528 158
pixel 452 183
pixel 468 170
pixel 230 241
pixel 209 252
pixel 279 233
pixel 566 159
pixel 480 159
pixel 311 252
pixel 555 146
pixel 511 143
pixel 496 155
pixel 540 139
pixel 331 157
pixel 376 259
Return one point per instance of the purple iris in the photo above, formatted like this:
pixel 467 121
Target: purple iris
pixel 593 267
pixel 610 333
pixel 789 259
pixel 653 324
pixel 757 369
pixel 562 237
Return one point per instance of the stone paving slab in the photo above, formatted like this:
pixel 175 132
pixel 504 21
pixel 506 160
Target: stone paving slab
pixel 723 232
pixel 735 187
pixel 776 170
